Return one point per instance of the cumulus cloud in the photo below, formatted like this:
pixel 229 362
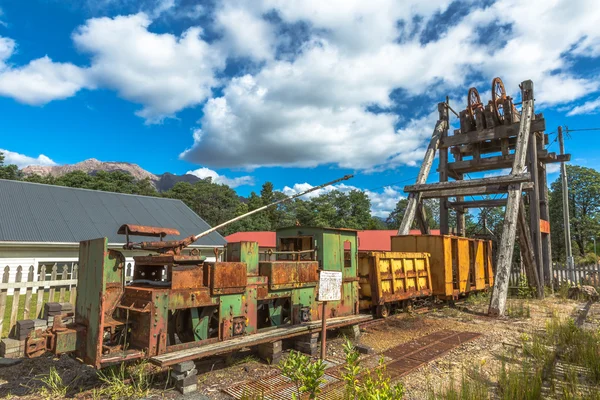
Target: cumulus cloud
pixel 39 81
pixel 204 172
pixel 245 34
pixel 589 107
pixel 21 160
pixel 315 108
pixel 42 81
pixel 382 203
pixel 163 72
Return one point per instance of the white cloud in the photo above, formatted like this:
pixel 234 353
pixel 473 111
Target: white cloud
pixel 312 109
pixel 552 168
pixel 382 203
pixel 204 172
pixel 245 34
pixel 589 107
pixel 21 160
pixel 163 72
pixel 41 81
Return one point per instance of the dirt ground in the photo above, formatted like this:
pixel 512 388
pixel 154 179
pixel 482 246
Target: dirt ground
pixel 498 338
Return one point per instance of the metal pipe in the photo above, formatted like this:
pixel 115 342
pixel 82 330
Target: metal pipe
pixel 209 231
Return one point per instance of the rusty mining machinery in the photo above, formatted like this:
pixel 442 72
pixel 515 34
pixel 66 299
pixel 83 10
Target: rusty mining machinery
pixel 178 304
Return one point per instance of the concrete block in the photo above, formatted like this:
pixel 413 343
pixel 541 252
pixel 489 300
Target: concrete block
pixel 363 349
pixel 178 376
pixel 352 331
pixel 188 389
pixel 184 366
pixel 187 381
pixel 270 352
pixel 307 348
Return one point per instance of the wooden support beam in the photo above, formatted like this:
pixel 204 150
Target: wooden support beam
pixel 507 242
pixel 495 146
pixel 475 191
pixel 491 163
pixel 477 203
pixel 497 132
pixel 545 215
pixel 531 269
pixel 443 173
pixel 494 180
pixel 415 198
pixel 422 219
pixel 534 206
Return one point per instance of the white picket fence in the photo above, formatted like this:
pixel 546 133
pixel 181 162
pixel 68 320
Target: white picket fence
pixel 59 282
pixel 579 275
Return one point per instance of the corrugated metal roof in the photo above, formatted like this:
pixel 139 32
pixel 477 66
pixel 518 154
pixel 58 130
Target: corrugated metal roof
pixel 32 212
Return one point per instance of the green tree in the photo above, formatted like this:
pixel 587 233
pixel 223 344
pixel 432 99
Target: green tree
pixel 395 218
pixel 584 210
pixel 214 203
pixel 10 171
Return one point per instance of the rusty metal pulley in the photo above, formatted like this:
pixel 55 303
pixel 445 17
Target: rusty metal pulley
pixel 473 102
pixel 498 98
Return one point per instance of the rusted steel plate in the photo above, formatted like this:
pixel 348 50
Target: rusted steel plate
pixel 290 274
pixel 461 337
pixel 431 352
pixel 187 277
pixel 401 367
pixel 141 230
pixel 228 277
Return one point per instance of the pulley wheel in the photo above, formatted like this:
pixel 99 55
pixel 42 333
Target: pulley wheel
pixel 473 102
pixel 498 97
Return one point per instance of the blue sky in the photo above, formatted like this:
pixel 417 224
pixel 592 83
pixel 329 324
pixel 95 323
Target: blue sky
pixel 291 92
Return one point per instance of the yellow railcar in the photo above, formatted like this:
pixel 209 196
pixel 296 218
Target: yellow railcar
pixel 458 265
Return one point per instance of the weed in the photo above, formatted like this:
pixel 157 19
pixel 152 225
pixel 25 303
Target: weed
pixel 518 309
pixel 376 386
pixel 307 376
pixel 478 298
pixel 523 383
pixel 122 383
pixel 472 387
pixel 54 386
pixel 524 291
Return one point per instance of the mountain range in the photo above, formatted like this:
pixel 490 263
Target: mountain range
pixel 161 182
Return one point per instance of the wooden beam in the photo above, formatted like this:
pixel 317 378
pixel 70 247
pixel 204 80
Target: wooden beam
pixel 489 163
pixel 534 207
pixel 415 198
pixel 531 269
pixel 507 241
pixel 494 180
pixel 477 203
pixel 499 145
pixel 497 132
pixel 476 191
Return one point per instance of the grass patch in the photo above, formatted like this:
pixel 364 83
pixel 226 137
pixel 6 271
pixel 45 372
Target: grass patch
pixel 54 387
pixel 125 382
pixel 472 387
pixel 517 309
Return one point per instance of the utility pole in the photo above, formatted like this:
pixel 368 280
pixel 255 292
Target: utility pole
pixel 565 198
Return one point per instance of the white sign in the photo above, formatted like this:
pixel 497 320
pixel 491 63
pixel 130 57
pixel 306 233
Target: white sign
pixel 330 286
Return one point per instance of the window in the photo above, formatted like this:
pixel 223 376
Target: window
pixel 347 254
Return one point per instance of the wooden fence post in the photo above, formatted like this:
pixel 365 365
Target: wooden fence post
pixel 41 291
pixel 5 277
pixel 27 309
pixel 16 297
pixel 52 278
pixel 63 276
pixel 73 287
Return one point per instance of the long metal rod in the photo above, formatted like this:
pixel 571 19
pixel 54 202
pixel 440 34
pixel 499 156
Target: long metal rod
pixel 207 232
pixel 565 201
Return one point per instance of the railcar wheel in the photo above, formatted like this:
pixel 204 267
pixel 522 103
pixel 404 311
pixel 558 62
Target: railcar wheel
pixel 498 97
pixel 383 311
